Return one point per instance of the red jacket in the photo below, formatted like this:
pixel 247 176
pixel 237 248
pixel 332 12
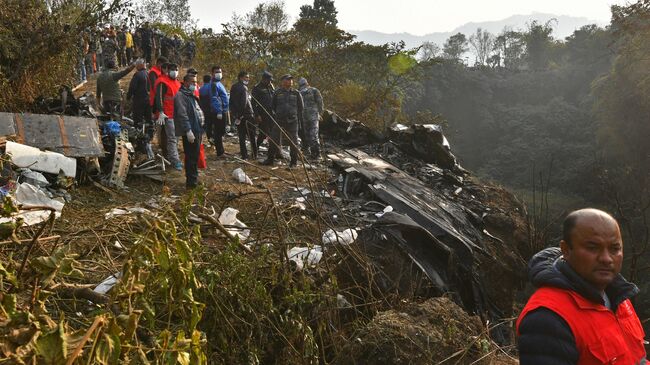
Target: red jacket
pixel 601 336
pixel 168 99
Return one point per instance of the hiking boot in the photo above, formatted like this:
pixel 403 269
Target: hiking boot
pixel 267 162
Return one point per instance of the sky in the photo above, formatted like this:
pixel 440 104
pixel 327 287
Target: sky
pixel 417 17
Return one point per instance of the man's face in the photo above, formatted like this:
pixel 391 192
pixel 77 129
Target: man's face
pixel 596 250
pixel 287 83
pixel 246 78
pixel 190 82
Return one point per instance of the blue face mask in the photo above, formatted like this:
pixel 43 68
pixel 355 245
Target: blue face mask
pixel 192 87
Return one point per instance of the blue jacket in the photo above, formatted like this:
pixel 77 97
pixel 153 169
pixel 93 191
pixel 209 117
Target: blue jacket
pixel 218 97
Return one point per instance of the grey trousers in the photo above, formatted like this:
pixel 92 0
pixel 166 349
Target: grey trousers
pixel 171 145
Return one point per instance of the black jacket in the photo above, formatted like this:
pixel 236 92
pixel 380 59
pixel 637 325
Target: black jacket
pixel 262 96
pixel 139 87
pixel 544 337
pixel 240 102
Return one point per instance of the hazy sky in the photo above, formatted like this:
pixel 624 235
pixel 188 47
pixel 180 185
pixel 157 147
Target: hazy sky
pixel 413 16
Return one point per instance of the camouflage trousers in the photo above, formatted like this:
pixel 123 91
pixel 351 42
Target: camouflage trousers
pixel 310 141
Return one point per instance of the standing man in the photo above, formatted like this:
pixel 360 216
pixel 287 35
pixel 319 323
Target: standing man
pixel 241 111
pixel 313 100
pixel 154 74
pixel 121 46
pixel 581 312
pixel 287 106
pixel 188 122
pixel 129 45
pixel 204 102
pixel 166 88
pixel 109 95
pixel 220 107
pixel 109 48
pixel 139 89
pixel 262 96
pixel 147 41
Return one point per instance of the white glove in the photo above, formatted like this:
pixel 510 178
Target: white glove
pixel 190 136
pixel 161 119
pixel 237 121
pixel 219 116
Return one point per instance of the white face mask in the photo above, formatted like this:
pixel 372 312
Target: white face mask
pixel 218 76
pixel 245 82
pixel 173 74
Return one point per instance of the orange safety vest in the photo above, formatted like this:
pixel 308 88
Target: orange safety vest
pixel 152 93
pixel 168 99
pixel 602 336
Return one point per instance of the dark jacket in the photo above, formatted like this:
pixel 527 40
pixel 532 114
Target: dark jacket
pixel 287 106
pixel 544 337
pixel 139 87
pixel 262 96
pixel 240 102
pixel 187 113
pixel 204 100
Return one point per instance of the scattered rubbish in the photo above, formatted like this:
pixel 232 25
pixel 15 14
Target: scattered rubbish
pixel 37 160
pixel 388 209
pixel 34 178
pixel 426 142
pixel 228 218
pixel 121 161
pixel 33 202
pixel 341 302
pixel 239 175
pixel 344 237
pixel 108 283
pixel 118 211
pixel 458 191
pixel 304 256
pixel 299 203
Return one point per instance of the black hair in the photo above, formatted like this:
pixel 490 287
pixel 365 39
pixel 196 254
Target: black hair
pixel 214 68
pixel 192 71
pixel 242 74
pixel 188 76
pixel 206 79
pixel 172 66
pixel 568 225
pixel 162 60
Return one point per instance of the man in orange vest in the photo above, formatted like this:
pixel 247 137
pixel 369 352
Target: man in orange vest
pixel 581 312
pixel 166 88
pixel 154 73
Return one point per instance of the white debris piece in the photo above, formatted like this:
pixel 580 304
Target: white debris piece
pixel 44 161
pixel 241 176
pixel 388 209
pixel 108 283
pixel 305 256
pixel 229 218
pixel 28 196
pixel 345 237
pixel 118 211
pixel 341 302
pixel 34 178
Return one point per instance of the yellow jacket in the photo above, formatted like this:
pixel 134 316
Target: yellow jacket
pixel 129 40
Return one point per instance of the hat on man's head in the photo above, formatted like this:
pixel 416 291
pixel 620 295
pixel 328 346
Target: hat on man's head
pixel 267 75
pixel 286 77
pixel 302 82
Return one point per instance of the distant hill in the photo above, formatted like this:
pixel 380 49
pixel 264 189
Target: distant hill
pixel 564 27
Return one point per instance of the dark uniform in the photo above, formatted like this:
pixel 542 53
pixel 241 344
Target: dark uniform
pixel 242 111
pixel 287 107
pixel 262 106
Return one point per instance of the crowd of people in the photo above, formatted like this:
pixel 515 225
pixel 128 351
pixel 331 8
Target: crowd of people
pixel 123 45
pixel 180 107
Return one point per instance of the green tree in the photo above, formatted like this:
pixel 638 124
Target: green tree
pixel 321 10
pixel 271 16
pixel 539 42
pixel 510 46
pixel 455 47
